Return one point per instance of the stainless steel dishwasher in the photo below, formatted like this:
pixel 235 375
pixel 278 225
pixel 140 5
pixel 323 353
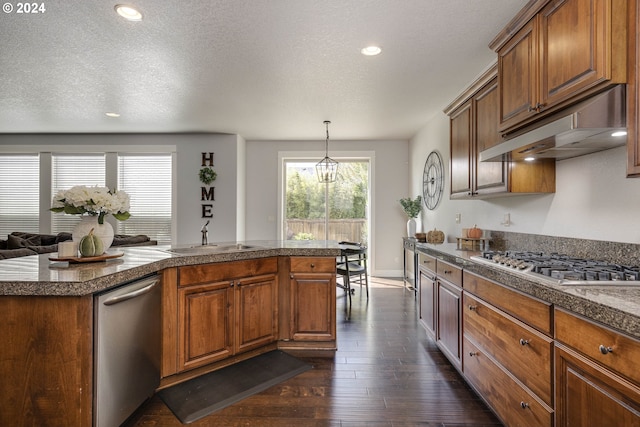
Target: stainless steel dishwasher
pixel 126 349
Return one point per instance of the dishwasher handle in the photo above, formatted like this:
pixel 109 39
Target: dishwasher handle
pixel 145 287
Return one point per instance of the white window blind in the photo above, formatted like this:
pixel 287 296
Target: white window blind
pixel 68 170
pixel 147 180
pixel 19 193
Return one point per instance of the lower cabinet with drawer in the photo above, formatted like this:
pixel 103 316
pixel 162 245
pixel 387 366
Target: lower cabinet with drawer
pixel 508 351
pixel 313 300
pixel 597 375
pixel 448 312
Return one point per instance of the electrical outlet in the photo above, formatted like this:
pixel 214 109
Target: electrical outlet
pixel 458 218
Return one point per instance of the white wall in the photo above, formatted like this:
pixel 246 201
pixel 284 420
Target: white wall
pixel 593 199
pixel 390 184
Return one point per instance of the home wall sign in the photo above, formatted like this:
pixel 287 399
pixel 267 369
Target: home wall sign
pixel 207 192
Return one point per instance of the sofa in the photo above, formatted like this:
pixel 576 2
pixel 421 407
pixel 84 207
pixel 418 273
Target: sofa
pixel 20 243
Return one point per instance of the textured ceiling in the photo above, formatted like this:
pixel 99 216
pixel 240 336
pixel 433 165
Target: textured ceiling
pixel 264 69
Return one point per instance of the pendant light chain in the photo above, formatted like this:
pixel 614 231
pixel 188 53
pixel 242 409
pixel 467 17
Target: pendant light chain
pixel 327 168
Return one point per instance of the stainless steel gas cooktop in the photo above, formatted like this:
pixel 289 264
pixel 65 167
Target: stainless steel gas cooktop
pixel 562 269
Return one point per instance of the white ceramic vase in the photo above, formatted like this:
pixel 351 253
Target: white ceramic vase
pixel 411 227
pixel 104 231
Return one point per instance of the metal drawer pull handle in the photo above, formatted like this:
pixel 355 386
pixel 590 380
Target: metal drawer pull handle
pixel 524 405
pixel 447 272
pixel 473 307
pixel 471 353
pixel 605 350
pixel 523 341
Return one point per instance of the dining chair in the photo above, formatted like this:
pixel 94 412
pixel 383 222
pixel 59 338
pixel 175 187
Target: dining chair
pixel 352 267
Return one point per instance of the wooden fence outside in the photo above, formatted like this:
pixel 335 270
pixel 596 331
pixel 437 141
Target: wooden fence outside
pixel 350 230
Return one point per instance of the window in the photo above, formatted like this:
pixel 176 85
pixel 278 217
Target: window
pixel 147 179
pixel 68 170
pixel 19 193
pixel 336 211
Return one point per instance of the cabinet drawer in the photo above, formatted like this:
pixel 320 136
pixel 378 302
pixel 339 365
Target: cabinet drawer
pixel 511 402
pixel 301 264
pixel 427 262
pixel 449 272
pixel 207 273
pixel 614 350
pixel 521 350
pixel 532 311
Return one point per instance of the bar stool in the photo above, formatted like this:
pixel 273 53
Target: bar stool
pixel 352 267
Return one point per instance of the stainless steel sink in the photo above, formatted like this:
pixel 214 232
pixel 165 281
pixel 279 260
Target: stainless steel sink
pixel 209 249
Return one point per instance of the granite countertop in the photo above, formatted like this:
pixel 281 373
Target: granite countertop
pixel 614 306
pixel 38 275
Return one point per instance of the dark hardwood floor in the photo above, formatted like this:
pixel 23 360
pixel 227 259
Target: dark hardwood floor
pixel 386 372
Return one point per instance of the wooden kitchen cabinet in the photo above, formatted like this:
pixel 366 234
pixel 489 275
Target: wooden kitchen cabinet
pixel 46 361
pixel 633 92
pixel 566 51
pixel 225 309
pixel 521 350
pixel 507 336
pixel 428 292
pixel 449 314
pixel 597 377
pixel 205 316
pixel 313 299
pixel 473 129
pixel 514 404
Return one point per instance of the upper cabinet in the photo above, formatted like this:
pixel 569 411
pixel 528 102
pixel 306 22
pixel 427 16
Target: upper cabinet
pixel 474 128
pixel 633 94
pixel 556 53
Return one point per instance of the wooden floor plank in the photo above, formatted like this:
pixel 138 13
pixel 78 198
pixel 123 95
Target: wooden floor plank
pixel 386 373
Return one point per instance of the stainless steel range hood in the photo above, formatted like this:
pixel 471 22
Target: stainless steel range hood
pixel 582 129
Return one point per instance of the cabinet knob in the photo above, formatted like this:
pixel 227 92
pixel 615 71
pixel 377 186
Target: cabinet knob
pixel 231 284
pixel 523 341
pixel 531 108
pixel 524 405
pixel 473 307
pixel 313 265
pixel 605 350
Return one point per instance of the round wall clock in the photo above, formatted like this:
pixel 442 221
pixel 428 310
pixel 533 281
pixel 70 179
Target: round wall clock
pixel 432 180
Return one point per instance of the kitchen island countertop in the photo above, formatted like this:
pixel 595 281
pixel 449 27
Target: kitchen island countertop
pixel 38 275
pixel 614 306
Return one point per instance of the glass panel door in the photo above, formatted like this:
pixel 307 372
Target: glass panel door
pixel 335 211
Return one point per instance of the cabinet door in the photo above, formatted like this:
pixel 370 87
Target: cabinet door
pixel 448 321
pixel 490 177
pixel 256 308
pixel 205 316
pixel 574 44
pixel 427 301
pixel 460 147
pixel 589 395
pixel 517 73
pixel 313 306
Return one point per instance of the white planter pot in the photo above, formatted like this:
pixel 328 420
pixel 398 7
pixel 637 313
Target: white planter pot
pixel 411 227
pixel 104 231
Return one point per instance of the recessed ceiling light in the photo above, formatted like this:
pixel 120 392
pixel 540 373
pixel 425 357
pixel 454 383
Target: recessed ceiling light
pixel 371 51
pixel 128 12
pixel 619 133
pixel 112 114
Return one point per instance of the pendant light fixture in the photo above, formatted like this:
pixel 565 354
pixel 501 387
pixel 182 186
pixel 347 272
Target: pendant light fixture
pixel 327 168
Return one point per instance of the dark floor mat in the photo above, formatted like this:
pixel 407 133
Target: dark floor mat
pixel 201 396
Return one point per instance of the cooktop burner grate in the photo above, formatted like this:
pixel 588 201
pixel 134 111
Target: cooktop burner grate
pixel 563 269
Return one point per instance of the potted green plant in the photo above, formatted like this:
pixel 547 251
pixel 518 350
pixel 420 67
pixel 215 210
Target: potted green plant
pixel 412 209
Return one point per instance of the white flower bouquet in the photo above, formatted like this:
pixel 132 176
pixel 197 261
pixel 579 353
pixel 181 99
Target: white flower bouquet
pixel 100 201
